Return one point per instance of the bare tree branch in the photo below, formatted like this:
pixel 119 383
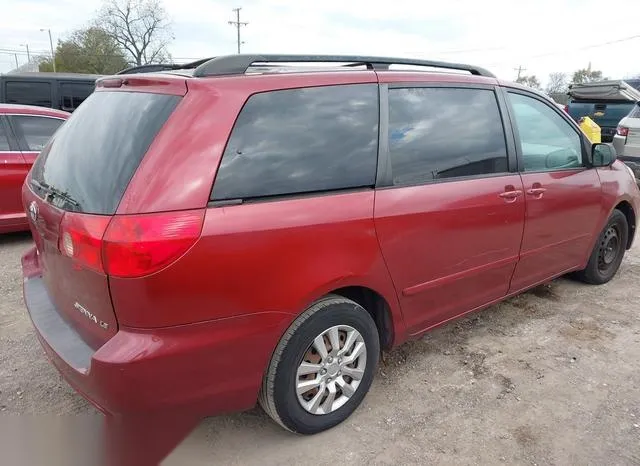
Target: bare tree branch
pixel 140 27
pixel 557 83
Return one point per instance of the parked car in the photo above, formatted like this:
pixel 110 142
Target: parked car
pixel 605 102
pixel 62 91
pixel 24 131
pixel 627 140
pixel 211 237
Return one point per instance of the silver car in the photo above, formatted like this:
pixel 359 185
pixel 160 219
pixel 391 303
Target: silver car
pixel 627 140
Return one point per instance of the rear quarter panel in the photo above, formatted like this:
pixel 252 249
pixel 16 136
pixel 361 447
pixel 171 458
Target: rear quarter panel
pixel 277 256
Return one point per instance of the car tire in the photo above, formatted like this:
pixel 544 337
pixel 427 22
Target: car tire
pixel 608 251
pixel 306 391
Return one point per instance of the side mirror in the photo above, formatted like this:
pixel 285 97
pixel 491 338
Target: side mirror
pixel 602 155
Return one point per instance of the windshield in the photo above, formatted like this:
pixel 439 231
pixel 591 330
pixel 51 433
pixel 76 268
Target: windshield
pixel 89 162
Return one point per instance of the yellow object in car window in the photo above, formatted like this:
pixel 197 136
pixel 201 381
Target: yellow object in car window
pixel 591 129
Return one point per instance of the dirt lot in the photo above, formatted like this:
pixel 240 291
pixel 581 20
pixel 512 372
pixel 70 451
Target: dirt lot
pixel 550 377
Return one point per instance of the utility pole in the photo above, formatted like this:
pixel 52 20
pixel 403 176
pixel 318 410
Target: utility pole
pixel 28 55
pixel 519 69
pixel 15 55
pixel 53 55
pixel 238 24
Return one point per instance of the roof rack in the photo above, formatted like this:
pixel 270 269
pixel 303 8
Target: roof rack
pixel 239 64
pixel 157 67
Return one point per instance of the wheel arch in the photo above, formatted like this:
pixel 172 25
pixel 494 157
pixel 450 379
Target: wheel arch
pixel 377 306
pixel 626 208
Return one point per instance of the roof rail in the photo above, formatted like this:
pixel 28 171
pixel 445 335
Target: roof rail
pixel 157 67
pixel 238 64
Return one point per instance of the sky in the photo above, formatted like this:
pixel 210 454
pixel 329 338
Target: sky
pixel 541 36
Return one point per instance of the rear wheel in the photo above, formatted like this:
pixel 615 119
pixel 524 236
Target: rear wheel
pixel 323 366
pixel 608 252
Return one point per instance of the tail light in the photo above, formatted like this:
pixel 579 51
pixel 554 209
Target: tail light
pixel 137 245
pixel 129 245
pixel 81 239
pixel 622 131
pixel 566 108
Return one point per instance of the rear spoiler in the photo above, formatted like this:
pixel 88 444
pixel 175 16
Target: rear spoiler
pixel 159 67
pixel 604 90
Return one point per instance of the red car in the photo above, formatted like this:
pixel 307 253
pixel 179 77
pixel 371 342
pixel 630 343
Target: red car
pixel 247 230
pixel 24 131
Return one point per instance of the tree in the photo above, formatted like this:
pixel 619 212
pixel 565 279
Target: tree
pixel 140 27
pixel 89 50
pixel 557 83
pixel 586 75
pixel 530 81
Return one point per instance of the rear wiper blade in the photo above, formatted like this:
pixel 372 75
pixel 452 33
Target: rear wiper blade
pixel 41 185
pixel 55 193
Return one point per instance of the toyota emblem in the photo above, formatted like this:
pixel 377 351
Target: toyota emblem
pixel 33 211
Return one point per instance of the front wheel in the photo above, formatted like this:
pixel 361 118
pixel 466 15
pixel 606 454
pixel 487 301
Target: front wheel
pixel 323 366
pixel 608 252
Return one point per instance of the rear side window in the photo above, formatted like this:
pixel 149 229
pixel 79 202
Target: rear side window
pixel 4 138
pixel 28 93
pixel 635 112
pixel 94 155
pixel 35 131
pixel 301 140
pixel 438 133
pixel 73 94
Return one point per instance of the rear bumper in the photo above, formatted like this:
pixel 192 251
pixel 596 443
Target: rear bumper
pixel 625 150
pixel 607 133
pixel 205 368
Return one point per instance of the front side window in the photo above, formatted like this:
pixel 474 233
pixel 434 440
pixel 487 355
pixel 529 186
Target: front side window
pixel 439 133
pixel 300 141
pixel 28 93
pixel 36 130
pixel 547 141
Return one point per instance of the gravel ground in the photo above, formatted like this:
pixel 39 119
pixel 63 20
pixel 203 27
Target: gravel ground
pixel 549 377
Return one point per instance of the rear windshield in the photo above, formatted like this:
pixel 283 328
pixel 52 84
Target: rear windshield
pixel 93 156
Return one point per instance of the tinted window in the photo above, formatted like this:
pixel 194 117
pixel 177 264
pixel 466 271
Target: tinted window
pixel 73 94
pixel 36 131
pixel 4 139
pixel 635 112
pixel 94 155
pixel 301 140
pixel 437 133
pixel 28 93
pixel 548 141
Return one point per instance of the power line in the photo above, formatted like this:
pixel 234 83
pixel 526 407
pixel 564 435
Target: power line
pixel 238 24
pixel 587 47
pixel 519 69
pixel 578 49
pixel 486 49
pixel 47 55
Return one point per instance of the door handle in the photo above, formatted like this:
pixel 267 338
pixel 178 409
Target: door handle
pixel 510 195
pixel 536 191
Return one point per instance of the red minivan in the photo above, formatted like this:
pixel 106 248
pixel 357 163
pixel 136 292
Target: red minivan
pixel 251 229
pixel 24 131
